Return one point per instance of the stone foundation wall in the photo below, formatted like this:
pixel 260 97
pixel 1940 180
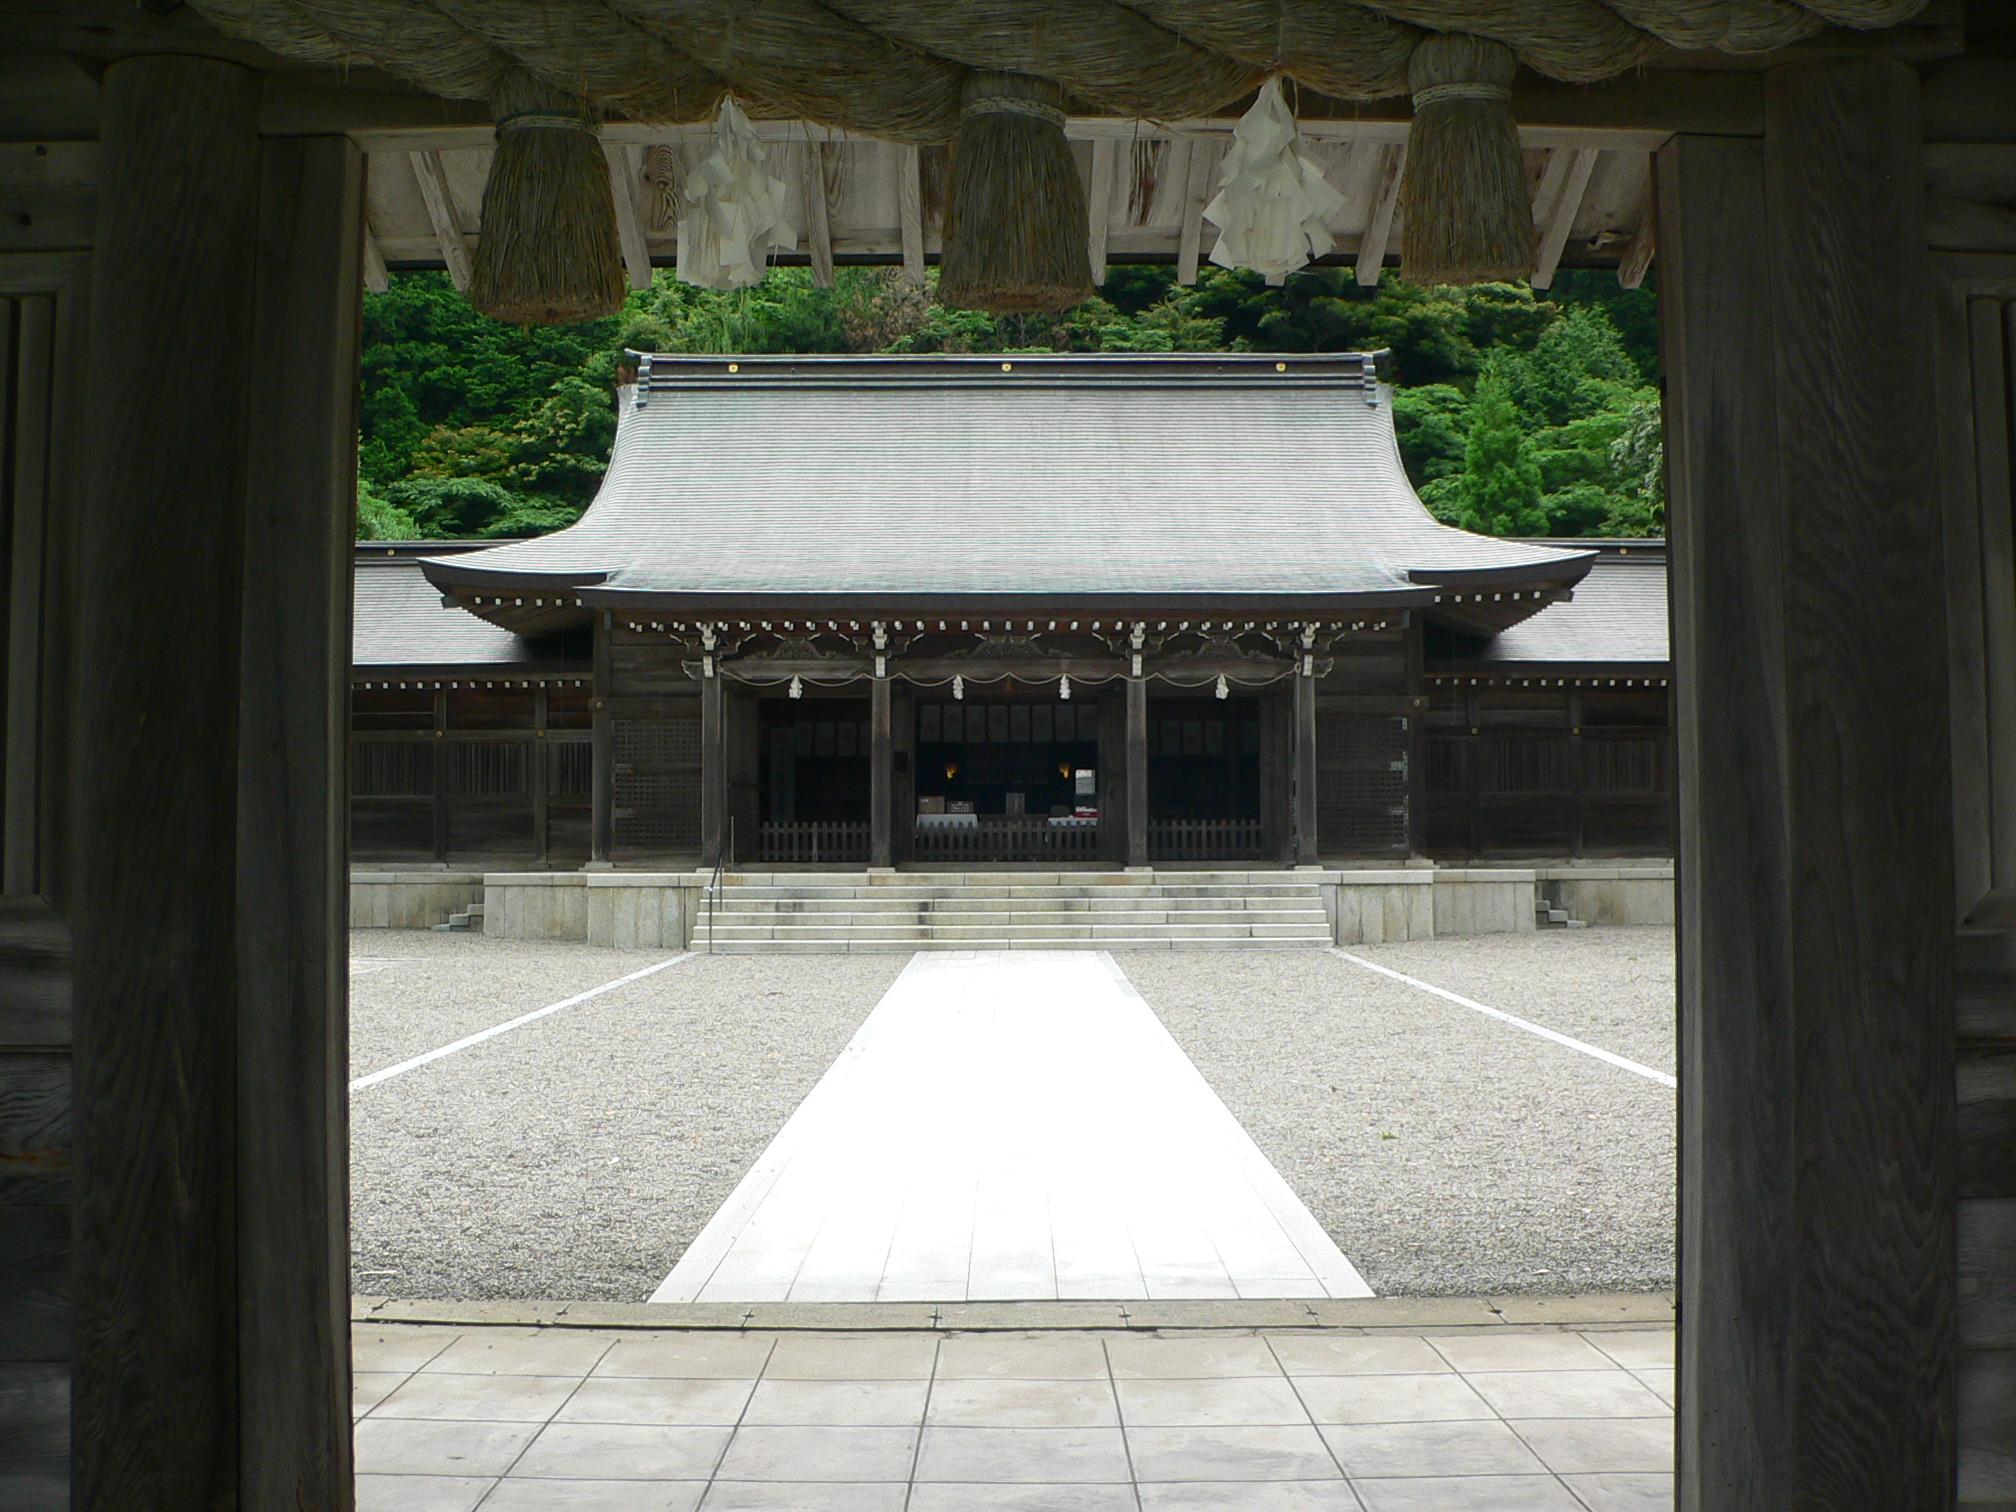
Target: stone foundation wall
pixel 536 905
pixel 657 910
pixel 410 900
pixel 1611 895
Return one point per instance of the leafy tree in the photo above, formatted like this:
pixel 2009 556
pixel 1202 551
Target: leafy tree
pixel 1432 422
pixel 1499 490
pixel 380 520
pixel 1633 312
pixel 476 429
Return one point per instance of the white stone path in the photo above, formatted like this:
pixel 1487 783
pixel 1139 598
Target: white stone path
pixel 1011 1124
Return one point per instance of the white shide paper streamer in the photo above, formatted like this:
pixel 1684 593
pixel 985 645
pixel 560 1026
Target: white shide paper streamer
pixel 735 210
pixel 1273 208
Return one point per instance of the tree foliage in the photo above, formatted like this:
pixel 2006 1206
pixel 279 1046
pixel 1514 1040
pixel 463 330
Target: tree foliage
pixel 1516 414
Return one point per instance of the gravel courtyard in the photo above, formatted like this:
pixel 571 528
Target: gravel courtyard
pixel 578 1155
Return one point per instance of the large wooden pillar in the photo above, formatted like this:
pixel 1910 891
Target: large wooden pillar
pixel 1135 809
pixel 293 886
pixel 159 561
pixel 1304 786
pixel 1817 1260
pixel 881 764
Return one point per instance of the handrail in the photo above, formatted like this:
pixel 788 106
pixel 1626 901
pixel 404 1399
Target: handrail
pixel 713 888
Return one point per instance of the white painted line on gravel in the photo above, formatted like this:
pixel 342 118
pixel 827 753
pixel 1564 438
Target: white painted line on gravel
pixel 1514 1020
pixel 505 1028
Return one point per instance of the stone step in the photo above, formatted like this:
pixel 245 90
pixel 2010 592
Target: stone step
pixel 858 944
pixel 978 936
pixel 1010 907
pixel 1012 890
pixel 1312 918
pixel 954 878
pixel 841 911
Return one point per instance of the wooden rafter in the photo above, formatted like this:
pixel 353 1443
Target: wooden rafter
pixel 1379 224
pixel 376 279
pixel 1561 211
pixel 1644 242
pixel 1099 205
pixel 818 223
pixel 1197 193
pixel 626 173
pixel 910 211
pixel 433 180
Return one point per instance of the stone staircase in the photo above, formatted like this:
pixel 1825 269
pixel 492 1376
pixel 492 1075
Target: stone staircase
pixel 853 911
pixel 1548 912
pixel 470 918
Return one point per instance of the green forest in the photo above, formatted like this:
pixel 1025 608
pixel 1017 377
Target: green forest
pixel 1518 414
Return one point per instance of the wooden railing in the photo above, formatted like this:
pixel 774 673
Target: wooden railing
pixel 820 840
pixel 1204 840
pixel 1008 839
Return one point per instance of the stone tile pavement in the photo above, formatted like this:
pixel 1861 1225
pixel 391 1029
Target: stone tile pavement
pixel 1503 1419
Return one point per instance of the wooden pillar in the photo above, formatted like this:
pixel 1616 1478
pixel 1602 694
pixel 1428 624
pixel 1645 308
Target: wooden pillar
pixel 159 562
pixel 1474 754
pixel 1417 741
pixel 1112 705
pixel 1136 808
pixel 713 769
pixel 881 760
pixel 441 765
pixel 541 761
pixel 293 885
pixel 601 754
pixel 903 782
pixel 1816 1348
pixel 1277 819
pixel 1304 742
pixel 1575 781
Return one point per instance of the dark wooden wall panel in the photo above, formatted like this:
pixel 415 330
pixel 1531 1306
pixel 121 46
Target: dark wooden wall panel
pixel 35 1438
pixel 41 334
pixel 645 666
pixel 1973 840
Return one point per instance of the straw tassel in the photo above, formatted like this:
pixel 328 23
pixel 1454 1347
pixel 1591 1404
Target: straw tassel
pixel 1015 226
pixel 549 252
pixel 1464 199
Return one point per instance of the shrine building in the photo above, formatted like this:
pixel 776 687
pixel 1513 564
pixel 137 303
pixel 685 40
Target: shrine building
pixel 1120 610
